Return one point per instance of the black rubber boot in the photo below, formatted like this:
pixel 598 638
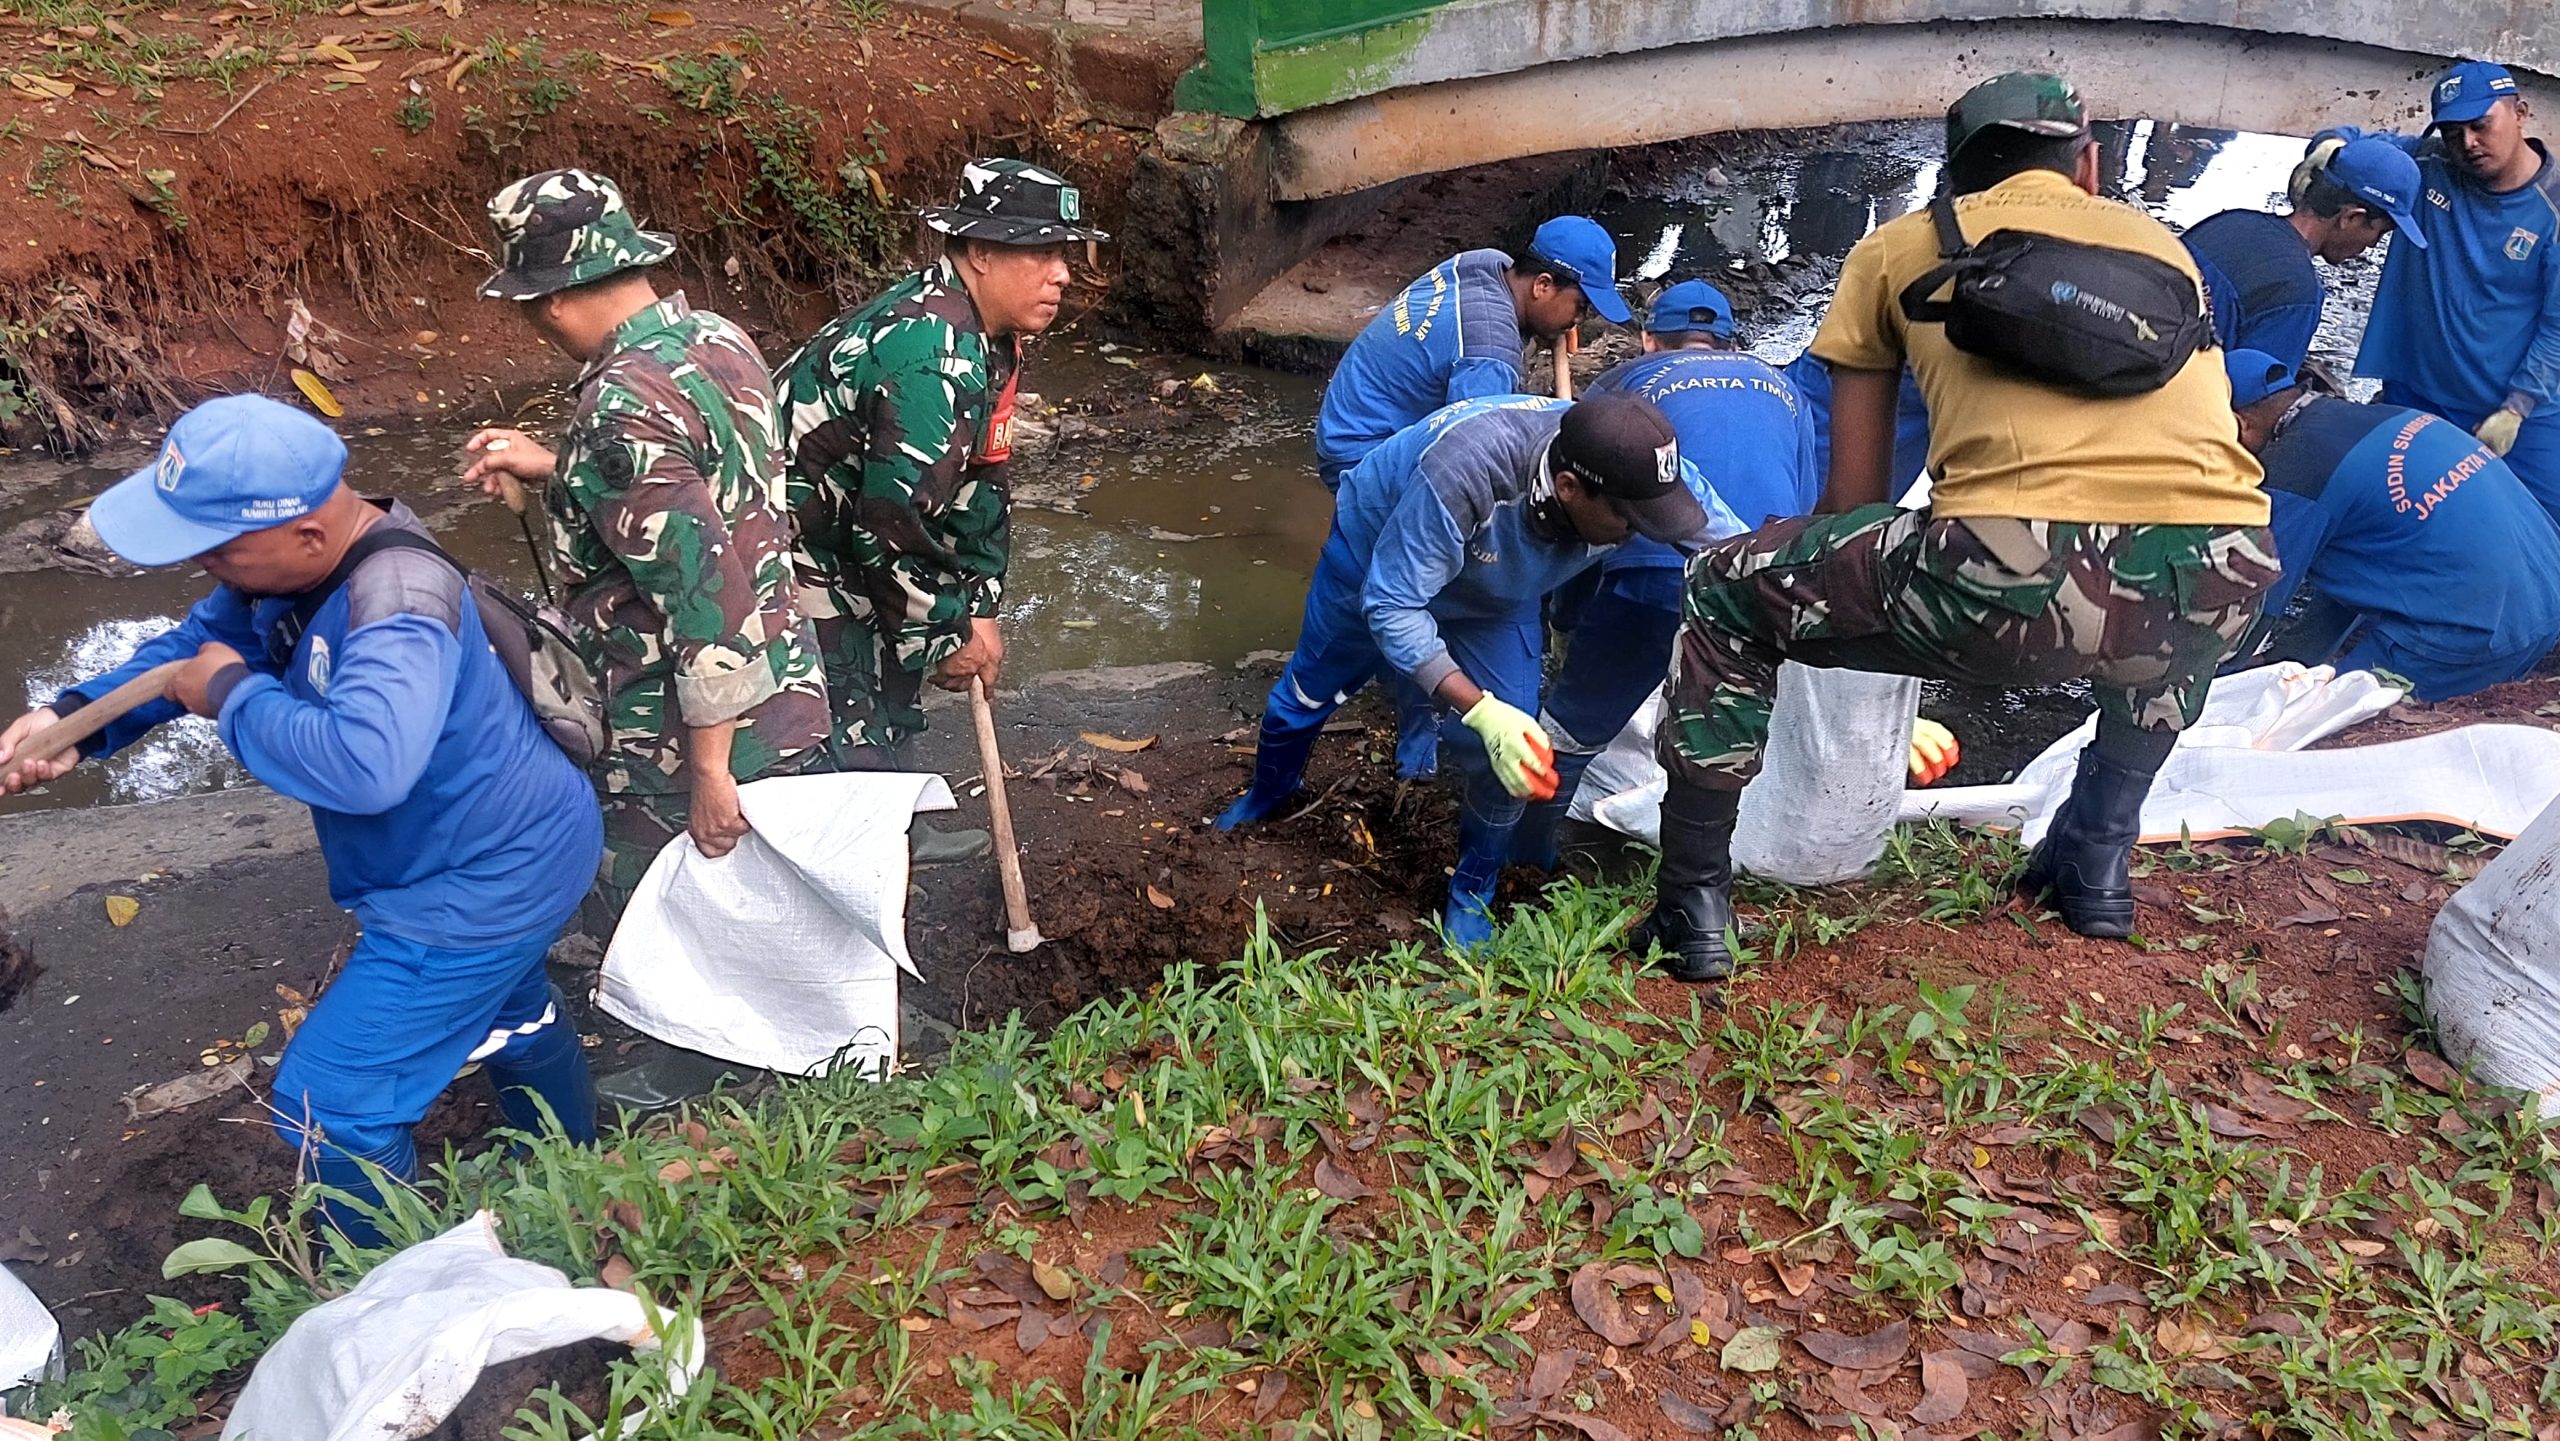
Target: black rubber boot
pixel 2084 863
pixel 1693 894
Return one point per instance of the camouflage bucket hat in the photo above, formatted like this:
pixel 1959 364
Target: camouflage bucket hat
pixel 564 228
pixel 1014 202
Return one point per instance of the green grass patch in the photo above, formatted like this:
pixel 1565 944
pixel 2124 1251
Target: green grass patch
pixel 1419 1194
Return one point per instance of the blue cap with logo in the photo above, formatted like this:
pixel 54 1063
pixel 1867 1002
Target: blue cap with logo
pixel 2465 92
pixel 1578 246
pixel 230 466
pixel 2255 375
pixel 1691 305
pixel 2382 175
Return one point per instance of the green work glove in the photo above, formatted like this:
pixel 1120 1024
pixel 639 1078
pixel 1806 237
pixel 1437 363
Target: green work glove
pixel 1523 759
pixel 2498 432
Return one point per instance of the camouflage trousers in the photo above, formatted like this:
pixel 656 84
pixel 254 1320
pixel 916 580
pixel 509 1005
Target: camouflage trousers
pixel 638 825
pixel 2145 612
pixel 877 702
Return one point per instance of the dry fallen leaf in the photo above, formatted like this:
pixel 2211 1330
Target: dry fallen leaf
pixel 1596 1302
pixel 121 910
pixel 1100 741
pixel 2431 1072
pixel 41 87
pixel 672 19
pixel 316 390
pixel 1875 1350
pixel 616 1274
pixel 1943 1389
pixel 1339 1183
pixel 1159 899
pixel 1053 1281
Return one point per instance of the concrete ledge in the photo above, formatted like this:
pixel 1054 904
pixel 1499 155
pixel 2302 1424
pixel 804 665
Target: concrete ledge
pixel 2231 75
pixel 1467 39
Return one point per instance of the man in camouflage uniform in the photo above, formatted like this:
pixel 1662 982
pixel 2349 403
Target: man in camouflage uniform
pixel 2120 540
pixel 897 420
pixel 668 535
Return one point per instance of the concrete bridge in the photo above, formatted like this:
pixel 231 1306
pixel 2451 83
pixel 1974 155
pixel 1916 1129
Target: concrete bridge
pixel 1311 108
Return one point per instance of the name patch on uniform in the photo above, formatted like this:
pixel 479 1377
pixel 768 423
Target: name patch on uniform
pixel 2520 243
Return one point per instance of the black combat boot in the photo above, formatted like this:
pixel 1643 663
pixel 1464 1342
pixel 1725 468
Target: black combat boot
pixel 1693 895
pixel 2084 863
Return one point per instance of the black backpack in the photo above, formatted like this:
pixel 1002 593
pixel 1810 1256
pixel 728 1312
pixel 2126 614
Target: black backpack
pixel 531 641
pixel 2090 319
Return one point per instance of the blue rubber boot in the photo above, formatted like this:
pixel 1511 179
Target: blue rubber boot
pixel 1279 763
pixel 547 1063
pixel 1533 841
pixel 1485 825
pixel 344 1171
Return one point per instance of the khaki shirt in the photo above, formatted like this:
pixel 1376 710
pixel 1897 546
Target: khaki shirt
pixel 2003 445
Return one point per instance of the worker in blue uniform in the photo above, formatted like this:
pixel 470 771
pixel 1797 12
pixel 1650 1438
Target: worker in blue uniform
pixel 2417 551
pixel 1749 435
pixel 460 836
pixel 1460 332
pixel 1463 331
pixel 2264 292
pixel 2469 326
pixel 1445 542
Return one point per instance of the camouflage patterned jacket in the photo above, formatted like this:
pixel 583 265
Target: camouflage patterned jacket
pixel 897 418
pixel 669 538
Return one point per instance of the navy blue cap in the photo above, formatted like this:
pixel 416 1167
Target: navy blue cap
pixel 1691 305
pixel 2255 375
pixel 2383 176
pixel 230 466
pixel 1578 247
pixel 2467 91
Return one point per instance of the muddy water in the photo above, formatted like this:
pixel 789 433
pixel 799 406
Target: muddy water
pixel 1140 537
pixel 1137 541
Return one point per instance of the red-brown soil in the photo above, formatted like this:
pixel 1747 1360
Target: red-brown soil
pixel 160 236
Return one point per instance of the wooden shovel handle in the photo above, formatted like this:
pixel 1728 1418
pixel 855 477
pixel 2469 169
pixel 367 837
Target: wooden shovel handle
pixel 1566 344
pixel 1020 934
pixel 96 716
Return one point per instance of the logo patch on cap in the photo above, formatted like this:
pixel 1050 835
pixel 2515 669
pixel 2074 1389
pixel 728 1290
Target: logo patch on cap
pixel 172 465
pixel 2450 89
pixel 1666 464
pixel 1070 203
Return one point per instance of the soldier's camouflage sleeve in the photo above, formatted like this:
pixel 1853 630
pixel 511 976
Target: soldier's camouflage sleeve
pixel 929 568
pixel 654 511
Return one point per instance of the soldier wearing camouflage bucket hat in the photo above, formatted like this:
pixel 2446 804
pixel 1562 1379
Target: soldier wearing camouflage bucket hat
pixel 897 419
pixel 2121 540
pixel 666 524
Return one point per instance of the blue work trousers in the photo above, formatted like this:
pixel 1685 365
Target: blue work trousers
pixel 1617 649
pixel 392 1032
pixel 1337 655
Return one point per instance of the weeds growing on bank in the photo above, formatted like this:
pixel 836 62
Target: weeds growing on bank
pixel 1419 1194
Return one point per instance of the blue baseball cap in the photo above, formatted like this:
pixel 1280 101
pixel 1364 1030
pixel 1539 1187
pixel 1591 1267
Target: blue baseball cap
pixel 2255 375
pixel 2381 175
pixel 2467 91
pixel 230 466
pixel 1578 247
pixel 1691 305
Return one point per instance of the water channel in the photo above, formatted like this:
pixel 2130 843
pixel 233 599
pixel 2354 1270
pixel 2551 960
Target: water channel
pixel 1189 543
